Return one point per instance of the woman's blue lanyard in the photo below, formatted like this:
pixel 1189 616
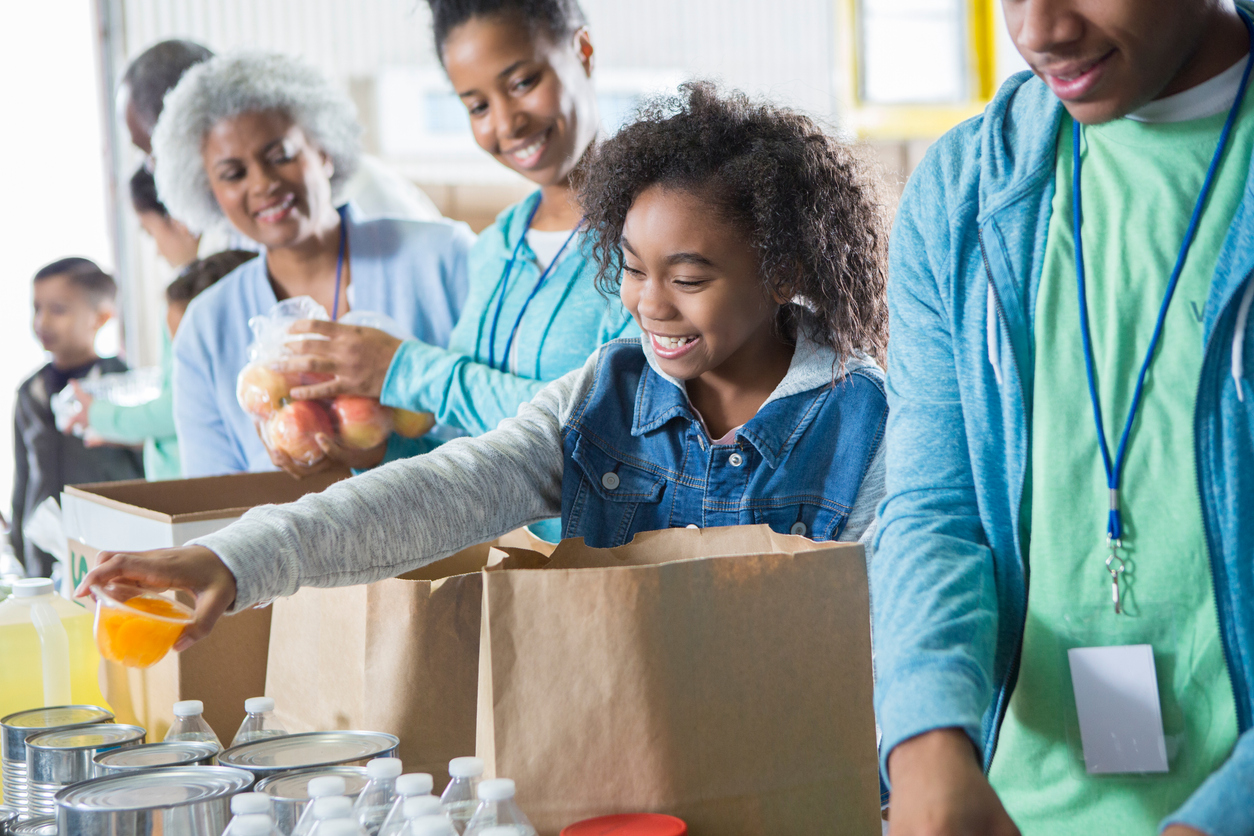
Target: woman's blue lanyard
pixel 339 263
pixel 1114 525
pixel 504 285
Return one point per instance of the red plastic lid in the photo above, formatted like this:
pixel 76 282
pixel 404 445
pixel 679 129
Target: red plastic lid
pixel 629 824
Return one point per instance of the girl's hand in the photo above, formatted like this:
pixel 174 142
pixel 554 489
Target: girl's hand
pixel 940 790
pixel 80 420
pixel 193 568
pixel 337 456
pixel 357 357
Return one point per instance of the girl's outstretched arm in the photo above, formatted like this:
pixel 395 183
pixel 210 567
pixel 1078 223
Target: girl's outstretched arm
pixel 377 525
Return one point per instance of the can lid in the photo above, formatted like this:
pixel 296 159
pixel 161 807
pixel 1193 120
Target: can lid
pixel 440 826
pixel 251 824
pixel 308 750
pixel 383 768
pixel 629 824
pixel 414 783
pixel 86 737
pixel 32 587
pixel 41 826
pixel 170 786
pixel 332 807
pixel 418 806
pixel 497 789
pixel 149 755
pixel 258 705
pixel 248 803
pixel 57 716
pixel 465 767
pixel 7 814
pixel 188 708
pixel 300 785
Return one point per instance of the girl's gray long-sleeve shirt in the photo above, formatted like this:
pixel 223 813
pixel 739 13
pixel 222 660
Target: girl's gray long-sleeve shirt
pixel 415 511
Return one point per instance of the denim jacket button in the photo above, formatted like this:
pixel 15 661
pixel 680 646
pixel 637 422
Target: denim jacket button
pixel 798 528
pixel 736 460
pixel 610 481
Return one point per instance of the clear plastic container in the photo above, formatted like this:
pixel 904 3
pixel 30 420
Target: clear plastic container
pixel 430 826
pixel 413 785
pixel 251 824
pixel 376 798
pixel 324 786
pixel 190 725
pixel 259 722
pixel 497 810
pixel 459 798
pixel 340 827
pixel 248 805
pixel 329 809
pixel 47 652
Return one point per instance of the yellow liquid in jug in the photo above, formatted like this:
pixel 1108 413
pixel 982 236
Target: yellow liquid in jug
pixel 21 664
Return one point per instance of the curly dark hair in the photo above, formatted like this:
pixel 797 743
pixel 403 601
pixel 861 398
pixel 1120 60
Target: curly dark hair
pixel 800 196
pixel 203 273
pixel 559 19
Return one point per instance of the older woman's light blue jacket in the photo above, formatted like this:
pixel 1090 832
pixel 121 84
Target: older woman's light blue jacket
pixel 413 271
pixel 949 579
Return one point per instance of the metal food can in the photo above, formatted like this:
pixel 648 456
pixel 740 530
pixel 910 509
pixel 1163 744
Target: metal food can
pixel 150 802
pixel 41 826
pixel 8 815
pixel 15 728
pixel 57 759
pixel 289 791
pixel 291 752
pixel 154 755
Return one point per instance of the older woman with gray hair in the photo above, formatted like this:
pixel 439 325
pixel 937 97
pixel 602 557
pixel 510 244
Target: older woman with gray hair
pixel 264 142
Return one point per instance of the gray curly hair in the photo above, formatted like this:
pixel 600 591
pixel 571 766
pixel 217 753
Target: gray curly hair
pixel 245 82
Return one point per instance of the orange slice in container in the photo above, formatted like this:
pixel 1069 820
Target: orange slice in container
pixel 136 628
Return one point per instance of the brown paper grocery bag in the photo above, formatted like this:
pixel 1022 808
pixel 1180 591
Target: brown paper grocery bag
pixel 397 656
pixel 722 676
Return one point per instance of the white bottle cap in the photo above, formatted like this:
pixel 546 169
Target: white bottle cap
pixel 433 826
pixel 380 768
pixel 188 708
pixel 497 789
pixel 418 806
pixel 252 825
pixel 32 587
pixel 256 705
pixel 332 807
pixel 414 783
pixel 325 785
pixel 465 767
pixel 249 803
pixel 340 827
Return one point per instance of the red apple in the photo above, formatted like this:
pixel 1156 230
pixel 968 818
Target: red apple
pixel 261 390
pixel 412 424
pixel 364 422
pixel 293 428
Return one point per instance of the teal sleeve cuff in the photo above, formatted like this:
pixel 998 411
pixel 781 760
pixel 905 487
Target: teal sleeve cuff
pixel 417 377
pixel 1221 806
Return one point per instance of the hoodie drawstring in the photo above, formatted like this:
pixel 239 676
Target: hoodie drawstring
pixel 993 327
pixel 1238 338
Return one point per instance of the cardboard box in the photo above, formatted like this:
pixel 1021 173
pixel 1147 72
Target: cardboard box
pixel 229 666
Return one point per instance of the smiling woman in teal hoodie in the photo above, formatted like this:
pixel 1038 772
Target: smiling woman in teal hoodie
pixel 524 73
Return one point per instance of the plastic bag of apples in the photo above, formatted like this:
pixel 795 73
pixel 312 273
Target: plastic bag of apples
pixel 292 426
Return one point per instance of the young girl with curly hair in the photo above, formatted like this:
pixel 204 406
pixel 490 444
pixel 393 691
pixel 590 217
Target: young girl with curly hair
pixel 747 248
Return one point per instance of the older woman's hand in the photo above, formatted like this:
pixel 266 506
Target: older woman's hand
pixel 357 358
pixel 337 456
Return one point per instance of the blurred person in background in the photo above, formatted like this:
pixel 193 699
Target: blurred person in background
pixel 175 244
pixel 73 299
pixel 376 190
pixel 523 71
pixel 152 424
pixel 266 143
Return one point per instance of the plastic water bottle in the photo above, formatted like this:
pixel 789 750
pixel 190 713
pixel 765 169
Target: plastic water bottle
pixel 340 827
pixel 259 722
pixel 497 810
pixel 430 826
pixel 459 797
pixel 421 806
pixel 324 786
pixel 246 804
pixel 253 824
pixel 332 809
pixel 413 785
pixel 190 725
pixel 372 806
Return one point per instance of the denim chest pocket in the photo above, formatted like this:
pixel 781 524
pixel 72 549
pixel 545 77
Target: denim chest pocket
pixel 797 516
pixel 614 499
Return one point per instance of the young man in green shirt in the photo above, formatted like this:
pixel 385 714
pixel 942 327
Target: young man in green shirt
pixel 1070 434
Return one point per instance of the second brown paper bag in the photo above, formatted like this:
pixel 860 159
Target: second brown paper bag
pixel 722 676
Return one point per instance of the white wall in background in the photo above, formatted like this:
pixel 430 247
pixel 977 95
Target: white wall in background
pixel 52 173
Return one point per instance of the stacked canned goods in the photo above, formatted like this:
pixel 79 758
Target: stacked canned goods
pixel 58 759
pixel 15 729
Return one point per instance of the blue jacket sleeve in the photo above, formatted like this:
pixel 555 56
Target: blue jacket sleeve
pixel 1222 805
pixel 204 441
pixel 932 585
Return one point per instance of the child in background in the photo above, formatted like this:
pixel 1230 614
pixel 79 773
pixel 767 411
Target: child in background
pixel 73 300
pixel 748 250
pixel 152 423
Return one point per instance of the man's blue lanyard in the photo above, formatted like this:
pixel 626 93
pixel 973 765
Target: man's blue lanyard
pixel 504 285
pixel 1114 468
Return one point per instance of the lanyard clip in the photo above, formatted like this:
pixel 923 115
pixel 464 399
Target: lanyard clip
pixel 1115 566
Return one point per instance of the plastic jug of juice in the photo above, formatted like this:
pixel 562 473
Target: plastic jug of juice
pixel 47 651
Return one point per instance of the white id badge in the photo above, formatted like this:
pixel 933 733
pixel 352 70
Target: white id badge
pixel 1118 707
